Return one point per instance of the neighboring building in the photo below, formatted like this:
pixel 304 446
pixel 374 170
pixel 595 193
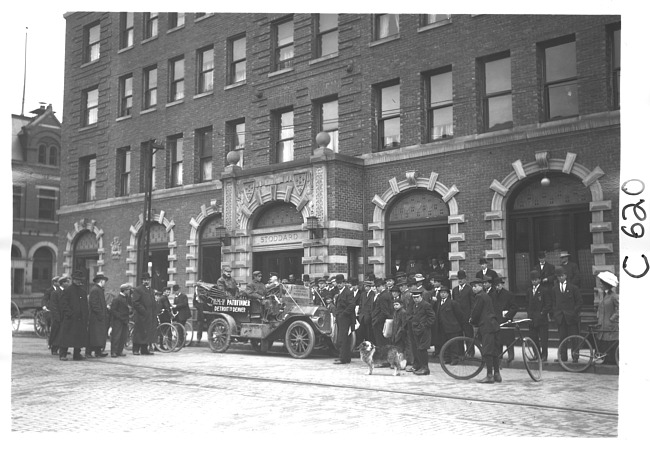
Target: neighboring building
pixel 35 164
pixel 441 128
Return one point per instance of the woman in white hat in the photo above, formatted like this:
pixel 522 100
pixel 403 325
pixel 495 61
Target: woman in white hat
pixel 608 313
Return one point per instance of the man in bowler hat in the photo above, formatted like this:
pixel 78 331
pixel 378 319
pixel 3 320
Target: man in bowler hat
pixel 344 315
pixel 120 320
pixel 146 321
pixel 485 271
pixel 97 318
pixel 74 318
pixel 463 295
pixel 484 318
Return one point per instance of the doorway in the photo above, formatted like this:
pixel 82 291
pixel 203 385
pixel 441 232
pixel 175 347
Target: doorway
pixel 415 247
pixel 282 262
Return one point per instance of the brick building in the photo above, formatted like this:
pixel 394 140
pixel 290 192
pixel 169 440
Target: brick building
pixel 441 128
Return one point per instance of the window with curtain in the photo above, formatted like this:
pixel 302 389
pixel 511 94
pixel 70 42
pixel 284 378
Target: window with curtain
pixel 386 25
pixel 236 59
pixel 440 112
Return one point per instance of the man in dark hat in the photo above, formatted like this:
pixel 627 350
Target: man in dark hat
pixel 382 309
pixel 97 318
pixel 344 315
pixel 45 305
pixel 320 293
pixel 400 277
pixel 226 283
pixel 546 272
pixel 74 313
pixel 485 271
pixel 463 295
pixel 567 302
pixel 483 317
pixel 120 320
pixel 55 313
pixel 422 317
pixel 538 307
pixel 145 319
pixel 449 318
pixel 256 291
pixel 365 313
pixel 505 308
pixel 181 305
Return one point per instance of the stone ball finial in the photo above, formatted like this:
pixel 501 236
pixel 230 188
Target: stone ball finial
pixel 232 157
pixel 322 139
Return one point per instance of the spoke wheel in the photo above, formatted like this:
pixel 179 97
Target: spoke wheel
pixel 40 324
pixel 300 339
pixel 461 358
pixel 166 337
pixel 180 344
pixel 532 359
pixel 15 317
pixel 219 335
pixel 189 333
pixel 578 351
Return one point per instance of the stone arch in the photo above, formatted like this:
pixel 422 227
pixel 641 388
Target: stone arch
pixel 542 164
pixel 20 247
pixel 132 249
pixel 288 195
pixel 41 244
pixel 412 180
pixel 80 226
pixel 192 256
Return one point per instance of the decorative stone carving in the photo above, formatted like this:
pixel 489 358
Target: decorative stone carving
pixel 116 248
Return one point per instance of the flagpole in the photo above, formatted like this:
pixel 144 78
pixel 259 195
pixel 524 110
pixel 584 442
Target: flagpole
pixel 22 110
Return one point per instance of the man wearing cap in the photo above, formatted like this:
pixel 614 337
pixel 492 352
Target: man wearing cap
pixel 382 309
pixel 484 318
pixel 463 295
pixel 145 319
pixel 55 313
pixel 320 293
pixel 256 291
pixel 505 309
pixel 485 271
pixel 74 313
pixel 570 268
pixel 120 320
pixel 181 305
pixel 97 318
pixel 365 313
pixel 449 318
pixel 538 307
pixel 226 283
pixel 567 302
pixel 422 317
pixel 344 315
pixel 45 305
pixel 546 271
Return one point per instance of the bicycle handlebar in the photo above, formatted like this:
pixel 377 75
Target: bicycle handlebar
pixel 524 320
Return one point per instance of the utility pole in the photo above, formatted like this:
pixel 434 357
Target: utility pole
pixel 148 152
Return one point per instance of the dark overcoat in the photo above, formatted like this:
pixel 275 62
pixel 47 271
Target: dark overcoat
pixel 504 301
pixel 145 320
pixel 450 317
pixel 120 309
pixel 539 306
pixel 382 308
pixel 566 306
pixel 98 317
pixel 182 308
pixel 74 313
pixel 422 319
pixel 465 299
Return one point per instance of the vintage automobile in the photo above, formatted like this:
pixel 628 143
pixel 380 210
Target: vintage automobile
pixel 287 314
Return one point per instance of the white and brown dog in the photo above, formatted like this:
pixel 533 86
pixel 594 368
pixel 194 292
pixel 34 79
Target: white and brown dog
pixel 389 356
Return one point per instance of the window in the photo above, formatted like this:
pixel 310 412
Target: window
pixel 150 25
pixel 175 145
pixel 203 147
pixel 48 156
pixel 283 45
pixel 386 25
pixel 615 42
pixel 497 100
pixel 54 156
pixel 205 69
pixel 124 167
pixel 429 19
pixel 46 204
pixel 389 118
pixel 42 154
pixel 237 60
pixel 440 111
pixel 283 122
pixel 150 88
pixel 42 269
pixel 176 19
pixel 91 106
pixel 18 201
pixel 560 80
pixel 18 281
pixel 91 43
pixel 88 167
pixel 328 121
pixel 126 29
pixel 236 138
pixel 327 34
pixel 125 95
pixel 176 79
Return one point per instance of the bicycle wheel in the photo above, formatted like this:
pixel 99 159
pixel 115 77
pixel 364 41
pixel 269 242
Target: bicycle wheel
pixel 129 337
pixel 461 358
pixel 532 359
pixel 181 337
pixel 40 324
pixel 578 350
pixel 15 317
pixel 166 337
pixel 189 333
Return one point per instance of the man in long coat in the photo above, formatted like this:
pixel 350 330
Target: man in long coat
pixel 45 305
pixel 55 313
pixel 120 320
pixel 539 306
pixel 449 317
pixel 463 295
pixel 181 305
pixel 567 302
pixel 484 318
pixel 422 318
pixel 546 272
pixel 145 320
pixel 365 313
pixel 381 310
pixel 97 318
pixel 505 308
pixel 344 315
pixel 74 318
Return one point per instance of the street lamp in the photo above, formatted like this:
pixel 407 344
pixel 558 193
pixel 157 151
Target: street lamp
pixel 314 228
pixel 148 151
pixel 222 235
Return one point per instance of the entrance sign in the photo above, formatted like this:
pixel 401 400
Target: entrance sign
pixel 278 239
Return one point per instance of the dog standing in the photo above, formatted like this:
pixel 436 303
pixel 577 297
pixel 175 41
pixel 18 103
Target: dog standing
pixel 367 352
pixel 388 356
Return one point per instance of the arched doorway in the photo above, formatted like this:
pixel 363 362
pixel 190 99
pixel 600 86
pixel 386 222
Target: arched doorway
pixel 210 242
pixel 17 271
pixel 42 269
pixel 85 255
pixel 554 218
pixel 158 254
pixel 418 231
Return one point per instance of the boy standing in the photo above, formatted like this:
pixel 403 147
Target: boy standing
pixel 539 306
pixel 484 318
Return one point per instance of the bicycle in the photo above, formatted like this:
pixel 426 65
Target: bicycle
pixel 167 335
pixel 41 325
pixel 15 317
pixel 461 357
pixel 583 354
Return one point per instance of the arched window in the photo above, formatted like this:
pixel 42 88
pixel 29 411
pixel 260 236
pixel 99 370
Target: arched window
pixel 158 254
pixel 54 156
pixel 15 252
pixel 210 249
pixel 42 269
pixel 278 214
pixel 85 255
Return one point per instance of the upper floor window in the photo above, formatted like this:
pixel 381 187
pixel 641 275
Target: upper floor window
pixel 125 96
pixel 18 201
pixel 560 80
pixel 327 34
pixel 283 45
pixel 90 106
pixel 88 169
pixel 236 59
pixel 46 204
pixel 328 121
pixel 126 29
pixel 203 147
pixel 205 69
pixel 429 19
pixel 175 145
pixel 176 19
pixel 386 25
pixel 176 79
pixel 236 138
pixel 48 156
pixel 283 127
pixel 150 87
pixel 389 116
pixel 150 25
pixel 497 94
pixel 91 43
pixel 124 169
pixel 615 42
pixel 440 111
